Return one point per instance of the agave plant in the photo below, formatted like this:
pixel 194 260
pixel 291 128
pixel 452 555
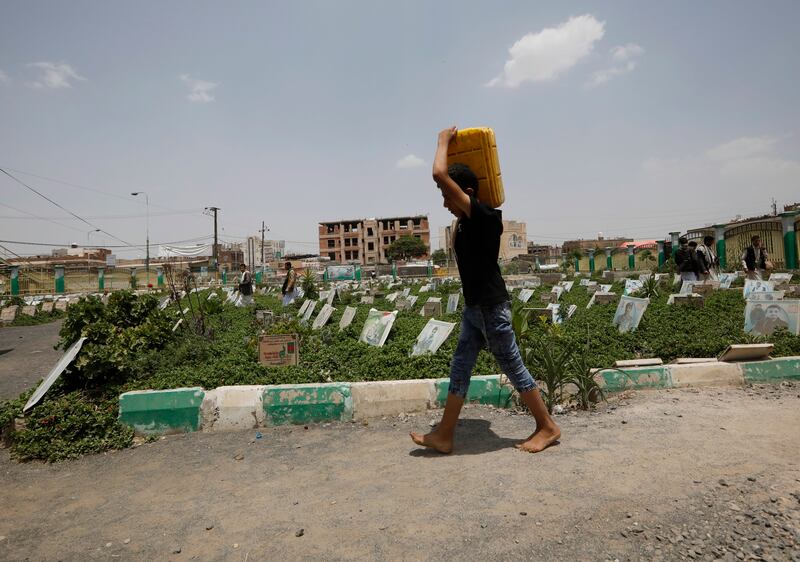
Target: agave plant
pixel 650 287
pixel 309 285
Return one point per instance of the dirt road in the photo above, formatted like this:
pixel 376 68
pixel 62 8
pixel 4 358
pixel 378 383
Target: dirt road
pixel 28 356
pixel 661 475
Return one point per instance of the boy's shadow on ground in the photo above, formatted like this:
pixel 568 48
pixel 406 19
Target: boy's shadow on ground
pixel 473 437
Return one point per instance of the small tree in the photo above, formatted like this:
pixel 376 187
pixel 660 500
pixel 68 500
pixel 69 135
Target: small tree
pixel 309 284
pixel 439 257
pixel 406 247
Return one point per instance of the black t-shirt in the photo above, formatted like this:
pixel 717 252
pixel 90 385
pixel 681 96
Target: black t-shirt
pixel 477 245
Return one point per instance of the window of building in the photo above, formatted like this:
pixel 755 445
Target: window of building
pixel 332 256
pixel 347 255
pixel 346 241
pixel 331 243
pixel 370 246
pixel 355 254
pixel 417 222
pixel 385 239
pixel 417 236
pixel 330 229
pixel 369 232
pixel 403 225
pixel 386 225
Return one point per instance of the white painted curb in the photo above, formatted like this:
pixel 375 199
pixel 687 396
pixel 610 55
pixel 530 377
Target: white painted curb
pixel 707 374
pixel 390 398
pixel 229 408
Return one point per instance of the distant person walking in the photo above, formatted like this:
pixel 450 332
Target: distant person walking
pixel 245 286
pixel 686 260
pixel 289 291
pixel 708 259
pixel 755 259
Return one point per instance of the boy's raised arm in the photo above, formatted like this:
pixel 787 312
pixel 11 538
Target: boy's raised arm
pixel 450 189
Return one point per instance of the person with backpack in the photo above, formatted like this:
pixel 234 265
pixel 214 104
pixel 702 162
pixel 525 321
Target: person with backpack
pixel 686 260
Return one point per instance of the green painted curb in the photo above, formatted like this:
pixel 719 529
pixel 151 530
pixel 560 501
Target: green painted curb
pixel 303 403
pixel 779 369
pixel 162 411
pixel 482 389
pixel 637 377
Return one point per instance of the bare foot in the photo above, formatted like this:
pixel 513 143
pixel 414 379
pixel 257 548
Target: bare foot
pixel 541 439
pixel 434 441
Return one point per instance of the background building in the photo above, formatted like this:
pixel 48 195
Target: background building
pixel 513 242
pixel 365 241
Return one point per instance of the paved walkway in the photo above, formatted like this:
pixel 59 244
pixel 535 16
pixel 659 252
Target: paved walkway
pixel 640 480
pixel 30 359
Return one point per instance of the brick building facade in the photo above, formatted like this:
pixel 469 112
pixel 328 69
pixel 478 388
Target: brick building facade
pixel 365 241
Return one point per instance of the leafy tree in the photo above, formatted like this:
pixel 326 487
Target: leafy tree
pixel 439 257
pixel 406 247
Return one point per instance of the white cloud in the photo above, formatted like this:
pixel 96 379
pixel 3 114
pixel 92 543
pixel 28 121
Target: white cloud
pixel 624 57
pixel 622 53
pixel 545 55
pixel 4 77
pixel 745 170
pixel 54 75
pixel 410 161
pixel 201 91
pixel 743 147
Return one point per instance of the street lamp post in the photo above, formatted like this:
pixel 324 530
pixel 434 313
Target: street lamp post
pixel 88 264
pixel 147 253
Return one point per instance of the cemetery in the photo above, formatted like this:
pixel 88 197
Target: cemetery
pixel 343 332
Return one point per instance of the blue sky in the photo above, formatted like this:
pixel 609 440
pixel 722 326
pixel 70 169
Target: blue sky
pixel 633 118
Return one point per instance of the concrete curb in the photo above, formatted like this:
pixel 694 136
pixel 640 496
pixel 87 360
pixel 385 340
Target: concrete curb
pixel 154 412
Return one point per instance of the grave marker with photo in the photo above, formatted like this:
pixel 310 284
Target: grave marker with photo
pixel 452 302
pixel 432 336
pixel 347 317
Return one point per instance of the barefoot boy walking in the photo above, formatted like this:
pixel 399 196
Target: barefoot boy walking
pixel 487 311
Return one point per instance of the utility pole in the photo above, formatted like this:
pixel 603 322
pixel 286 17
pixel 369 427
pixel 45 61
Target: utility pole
pixel 214 249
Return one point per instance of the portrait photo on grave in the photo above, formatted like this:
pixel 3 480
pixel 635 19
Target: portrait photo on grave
pixel 757 286
pixel 763 318
pixel 432 336
pixel 629 313
pixel 767 296
pixel 377 327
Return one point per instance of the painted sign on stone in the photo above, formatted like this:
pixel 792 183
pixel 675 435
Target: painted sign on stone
pixel 29 310
pixel 280 349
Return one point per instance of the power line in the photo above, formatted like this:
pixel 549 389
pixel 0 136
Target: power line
pixel 139 246
pixel 38 217
pixel 107 217
pixel 46 198
pixel 79 186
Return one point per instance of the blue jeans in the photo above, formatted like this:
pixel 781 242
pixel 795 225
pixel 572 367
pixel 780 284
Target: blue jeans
pixel 481 325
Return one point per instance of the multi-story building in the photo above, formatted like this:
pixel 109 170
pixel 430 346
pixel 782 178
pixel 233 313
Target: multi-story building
pixel 365 241
pixel 253 251
pixel 594 244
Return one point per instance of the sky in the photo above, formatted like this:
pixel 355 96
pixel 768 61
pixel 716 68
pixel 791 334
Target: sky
pixel 626 118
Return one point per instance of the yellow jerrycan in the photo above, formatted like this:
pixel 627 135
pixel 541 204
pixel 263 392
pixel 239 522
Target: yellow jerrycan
pixel 477 148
